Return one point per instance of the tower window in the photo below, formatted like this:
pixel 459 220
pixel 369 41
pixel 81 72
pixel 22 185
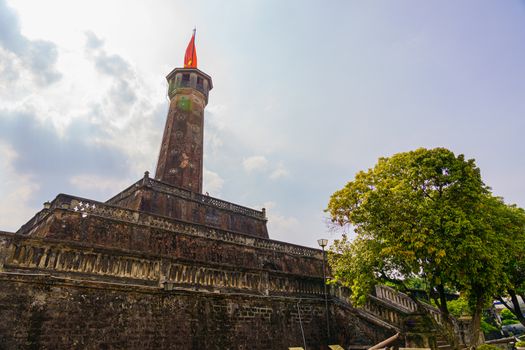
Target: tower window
pixel 200 86
pixel 185 77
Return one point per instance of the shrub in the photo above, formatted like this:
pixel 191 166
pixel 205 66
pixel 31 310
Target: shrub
pixel 459 307
pixel 507 317
pixel 487 328
pixel 487 347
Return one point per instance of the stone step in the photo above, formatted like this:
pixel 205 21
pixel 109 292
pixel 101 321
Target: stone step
pixel 445 347
pixel 359 347
pixel 449 347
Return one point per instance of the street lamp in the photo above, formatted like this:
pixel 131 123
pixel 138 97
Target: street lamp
pixel 323 243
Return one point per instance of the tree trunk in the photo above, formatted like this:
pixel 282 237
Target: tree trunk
pixel 448 327
pixel 516 310
pixel 475 324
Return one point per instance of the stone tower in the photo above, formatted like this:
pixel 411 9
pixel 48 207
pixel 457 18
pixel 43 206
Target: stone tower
pixel 180 159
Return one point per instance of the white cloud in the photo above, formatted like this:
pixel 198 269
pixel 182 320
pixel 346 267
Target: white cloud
pixel 217 116
pixel 214 142
pixel 125 106
pixel 16 192
pixel 212 183
pixel 39 56
pixel 279 225
pixel 279 172
pixel 282 226
pixel 254 163
pixel 89 182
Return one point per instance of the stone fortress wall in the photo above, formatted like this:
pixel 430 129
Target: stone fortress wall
pixel 86 274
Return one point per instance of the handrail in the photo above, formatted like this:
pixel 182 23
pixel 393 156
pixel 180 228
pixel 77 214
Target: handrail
pixel 396 297
pixel 385 342
pixel 502 340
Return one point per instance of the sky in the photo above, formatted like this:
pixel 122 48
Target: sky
pixel 306 94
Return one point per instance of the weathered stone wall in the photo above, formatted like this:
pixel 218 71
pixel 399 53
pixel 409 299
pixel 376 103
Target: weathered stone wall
pixel 51 313
pixel 87 275
pixel 79 261
pixel 152 235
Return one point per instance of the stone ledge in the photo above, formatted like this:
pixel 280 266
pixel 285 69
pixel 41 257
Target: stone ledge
pixel 77 261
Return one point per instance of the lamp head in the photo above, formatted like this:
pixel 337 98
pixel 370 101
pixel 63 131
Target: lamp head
pixel 322 242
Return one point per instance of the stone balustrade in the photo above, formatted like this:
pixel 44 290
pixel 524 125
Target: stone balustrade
pixel 434 312
pixel 397 298
pixel 380 309
pixel 392 306
pixel 197 277
pixel 61 259
pixel 402 300
pixel 285 285
pixel 80 262
pixel 87 207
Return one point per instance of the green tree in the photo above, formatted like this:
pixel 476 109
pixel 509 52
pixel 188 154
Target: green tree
pixel 510 221
pixel 420 214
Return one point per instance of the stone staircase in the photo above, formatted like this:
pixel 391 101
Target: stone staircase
pixel 402 314
pixel 442 343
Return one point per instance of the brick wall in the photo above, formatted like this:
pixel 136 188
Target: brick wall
pixel 51 313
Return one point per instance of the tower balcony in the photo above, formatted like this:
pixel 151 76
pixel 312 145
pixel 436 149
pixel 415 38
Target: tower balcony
pixel 182 78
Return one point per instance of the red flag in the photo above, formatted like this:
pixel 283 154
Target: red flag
pixel 190 58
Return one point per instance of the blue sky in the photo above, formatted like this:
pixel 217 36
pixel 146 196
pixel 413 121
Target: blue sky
pixel 306 93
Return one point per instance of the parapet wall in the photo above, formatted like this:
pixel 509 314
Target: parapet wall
pixel 100 225
pixel 156 197
pixel 78 261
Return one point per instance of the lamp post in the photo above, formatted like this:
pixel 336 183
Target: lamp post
pixel 323 243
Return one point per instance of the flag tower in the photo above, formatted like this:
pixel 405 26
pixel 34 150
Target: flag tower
pixel 180 160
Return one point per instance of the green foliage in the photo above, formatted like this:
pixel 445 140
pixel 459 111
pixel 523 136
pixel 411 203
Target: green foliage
pixel 489 324
pixel 487 347
pixel 507 317
pixel 426 215
pixel 520 344
pixel 512 224
pixel 487 327
pixel 416 214
pixel 459 307
pixel 416 283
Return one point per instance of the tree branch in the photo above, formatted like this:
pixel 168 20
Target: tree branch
pixel 504 303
